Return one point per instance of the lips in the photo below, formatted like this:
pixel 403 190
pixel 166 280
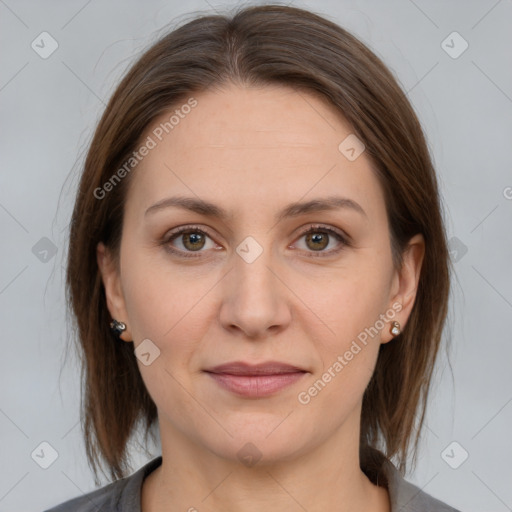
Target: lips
pixel 255 380
pixel 268 368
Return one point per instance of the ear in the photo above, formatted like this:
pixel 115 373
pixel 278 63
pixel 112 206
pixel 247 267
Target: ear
pixel 113 290
pixel 405 283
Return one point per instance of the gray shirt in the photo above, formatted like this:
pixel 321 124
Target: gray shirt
pixel 125 495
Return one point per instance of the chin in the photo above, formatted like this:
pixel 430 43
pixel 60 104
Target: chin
pixel 262 440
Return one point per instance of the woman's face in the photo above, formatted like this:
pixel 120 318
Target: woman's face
pixel 251 285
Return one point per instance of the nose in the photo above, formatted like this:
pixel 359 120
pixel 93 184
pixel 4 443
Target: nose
pixel 255 299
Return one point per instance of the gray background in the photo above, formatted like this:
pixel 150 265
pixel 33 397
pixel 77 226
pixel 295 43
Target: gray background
pixel 49 108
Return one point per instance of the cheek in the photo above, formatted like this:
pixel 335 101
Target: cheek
pixel 349 351
pixel 173 310
pixel 162 299
pixel 350 306
pixel 339 389
pixel 170 309
pixel 347 305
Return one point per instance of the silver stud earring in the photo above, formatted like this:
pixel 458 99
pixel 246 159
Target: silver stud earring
pixel 117 327
pixel 395 329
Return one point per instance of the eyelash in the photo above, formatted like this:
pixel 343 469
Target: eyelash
pixel 312 229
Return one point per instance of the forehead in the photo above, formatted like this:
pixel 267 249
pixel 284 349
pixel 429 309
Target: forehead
pixel 251 147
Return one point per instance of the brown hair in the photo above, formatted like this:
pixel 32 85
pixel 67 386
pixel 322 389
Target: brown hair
pixel 261 46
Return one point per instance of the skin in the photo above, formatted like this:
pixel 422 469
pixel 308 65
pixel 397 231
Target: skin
pixel 252 151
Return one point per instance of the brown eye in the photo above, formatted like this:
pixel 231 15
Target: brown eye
pixel 193 241
pixel 317 241
pixel 322 241
pixel 188 240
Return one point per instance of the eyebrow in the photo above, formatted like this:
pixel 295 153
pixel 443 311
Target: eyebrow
pixel 296 209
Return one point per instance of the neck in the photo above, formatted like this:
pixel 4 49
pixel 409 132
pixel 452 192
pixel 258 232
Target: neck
pixel 326 477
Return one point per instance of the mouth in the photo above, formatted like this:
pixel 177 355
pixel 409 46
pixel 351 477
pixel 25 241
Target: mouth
pixel 255 381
